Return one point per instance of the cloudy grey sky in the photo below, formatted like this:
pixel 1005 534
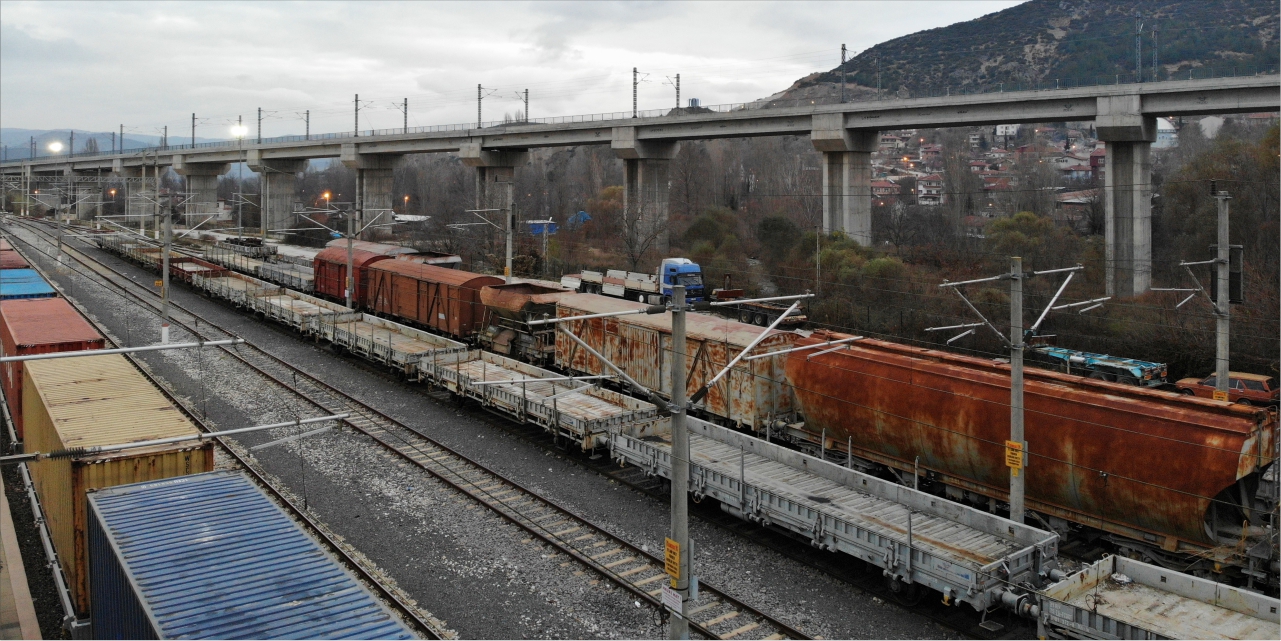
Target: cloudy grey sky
pixel 95 65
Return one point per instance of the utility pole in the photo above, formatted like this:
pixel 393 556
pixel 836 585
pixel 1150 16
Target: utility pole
pixel 878 76
pixel 240 178
pixel 1222 312
pixel 347 287
pixel 1138 49
pixel 818 260
pixel 1016 386
pixel 842 74
pixel 635 79
pixel 193 131
pixel 164 273
pixel 405 109
pixel 1156 42
pixel 479 98
pixel 122 138
pixel 356 133
pixel 306 119
pixel 511 227
pixel 155 168
pixel 678 624
pixel 71 143
pixel 678 91
pixel 260 125
pixel 113 142
pixel 526 106
pixel 164 139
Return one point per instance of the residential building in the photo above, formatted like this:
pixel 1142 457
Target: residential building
pixel 929 190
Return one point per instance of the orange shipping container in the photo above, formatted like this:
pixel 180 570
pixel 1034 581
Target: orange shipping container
pixel 38 326
pixel 446 300
pixel 90 401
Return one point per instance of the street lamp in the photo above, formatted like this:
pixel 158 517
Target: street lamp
pixel 55 147
pixel 239 131
pixel 326 197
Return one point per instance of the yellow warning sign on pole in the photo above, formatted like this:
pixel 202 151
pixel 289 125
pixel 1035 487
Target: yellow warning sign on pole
pixel 1014 457
pixel 672 559
pixel 160 283
pixel 1220 396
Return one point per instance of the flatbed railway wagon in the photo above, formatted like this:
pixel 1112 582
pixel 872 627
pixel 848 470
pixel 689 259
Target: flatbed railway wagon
pixel 1170 478
pixel 578 411
pixel 916 539
pixel 752 396
pixel 1120 598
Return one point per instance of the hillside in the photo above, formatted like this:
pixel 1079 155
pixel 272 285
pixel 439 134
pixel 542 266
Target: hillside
pixel 1044 42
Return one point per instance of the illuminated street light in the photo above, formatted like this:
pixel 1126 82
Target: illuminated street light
pixel 55 146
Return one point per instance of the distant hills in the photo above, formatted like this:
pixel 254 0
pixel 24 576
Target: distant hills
pixel 1044 42
pixel 17 142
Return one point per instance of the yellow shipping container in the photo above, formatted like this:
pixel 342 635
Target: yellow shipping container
pixel 97 400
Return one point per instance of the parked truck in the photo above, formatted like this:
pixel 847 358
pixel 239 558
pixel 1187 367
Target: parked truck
pixel 656 289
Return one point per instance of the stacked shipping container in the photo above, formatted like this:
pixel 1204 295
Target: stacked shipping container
pixel 38 326
pixel 93 401
pixel 209 556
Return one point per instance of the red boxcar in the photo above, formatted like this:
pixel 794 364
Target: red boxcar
pixel 39 326
pixel 446 300
pixel 1141 463
pixel 330 268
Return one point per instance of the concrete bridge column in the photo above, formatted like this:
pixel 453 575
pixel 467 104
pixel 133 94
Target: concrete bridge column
pixel 373 182
pixel 1127 193
pixel 847 175
pixel 202 183
pixel 646 187
pixel 278 184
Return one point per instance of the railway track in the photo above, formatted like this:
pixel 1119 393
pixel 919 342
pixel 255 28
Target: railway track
pixel 715 614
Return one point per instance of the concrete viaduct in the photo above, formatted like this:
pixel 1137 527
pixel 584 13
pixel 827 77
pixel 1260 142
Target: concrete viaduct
pixel 847 134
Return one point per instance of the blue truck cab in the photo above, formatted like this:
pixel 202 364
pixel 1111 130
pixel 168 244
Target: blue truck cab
pixel 681 271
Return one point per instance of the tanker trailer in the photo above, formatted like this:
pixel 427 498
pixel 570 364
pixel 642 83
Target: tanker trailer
pixel 1167 477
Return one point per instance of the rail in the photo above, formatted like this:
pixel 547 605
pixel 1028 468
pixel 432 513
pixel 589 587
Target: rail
pixel 611 557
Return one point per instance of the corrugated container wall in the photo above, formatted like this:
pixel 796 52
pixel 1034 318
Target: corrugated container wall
pixel 446 300
pixel 751 395
pixel 23 283
pixel 330 272
pixel 97 400
pixel 10 259
pixel 209 556
pixel 38 326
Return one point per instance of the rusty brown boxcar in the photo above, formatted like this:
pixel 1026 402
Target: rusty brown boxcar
pixel 446 300
pixel 752 395
pixel 330 268
pixel 1147 465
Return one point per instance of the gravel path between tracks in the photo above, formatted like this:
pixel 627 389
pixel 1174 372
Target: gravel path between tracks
pixel 482 576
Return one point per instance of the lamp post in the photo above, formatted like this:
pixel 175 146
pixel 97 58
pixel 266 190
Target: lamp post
pixel 55 147
pixel 239 132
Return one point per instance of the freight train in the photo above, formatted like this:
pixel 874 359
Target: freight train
pixel 1183 482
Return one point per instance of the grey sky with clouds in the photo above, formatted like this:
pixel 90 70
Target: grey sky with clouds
pixel 94 65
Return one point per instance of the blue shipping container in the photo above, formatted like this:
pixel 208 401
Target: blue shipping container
pixel 23 283
pixel 210 556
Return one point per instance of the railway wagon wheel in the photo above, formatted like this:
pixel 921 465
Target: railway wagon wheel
pixel 906 594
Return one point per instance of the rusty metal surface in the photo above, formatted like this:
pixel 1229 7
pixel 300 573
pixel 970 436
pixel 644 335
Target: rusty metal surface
pixel 519 301
pixel 383 249
pixel 751 395
pixel 330 271
pixel 1124 459
pixel 447 300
